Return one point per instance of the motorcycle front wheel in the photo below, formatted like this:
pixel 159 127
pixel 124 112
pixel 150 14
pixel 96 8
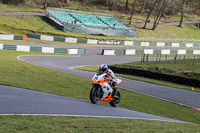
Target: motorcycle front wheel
pixel 95 95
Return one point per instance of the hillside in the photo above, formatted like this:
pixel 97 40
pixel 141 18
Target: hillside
pixel 17 25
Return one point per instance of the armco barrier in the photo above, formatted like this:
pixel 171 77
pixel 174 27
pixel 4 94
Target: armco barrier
pixel 41 49
pixel 149 51
pixel 113 42
pixel 13 37
pixel 158 76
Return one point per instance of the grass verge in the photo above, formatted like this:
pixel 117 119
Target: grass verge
pixel 18 8
pixel 20 74
pixel 90 125
pixel 17 42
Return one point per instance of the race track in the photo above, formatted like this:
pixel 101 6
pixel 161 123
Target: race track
pixel 26 102
pixel 66 63
pixel 21 101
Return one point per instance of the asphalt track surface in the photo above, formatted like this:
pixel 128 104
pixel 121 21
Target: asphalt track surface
pixel 26 102
pixel 67 63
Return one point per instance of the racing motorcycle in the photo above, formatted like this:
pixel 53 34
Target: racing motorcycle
pixel 100 80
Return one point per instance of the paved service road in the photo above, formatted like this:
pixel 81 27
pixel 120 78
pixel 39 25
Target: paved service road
pixel 64 63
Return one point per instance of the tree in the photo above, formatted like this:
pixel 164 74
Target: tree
pixel 126 4
pixel 151 8
pixel 44 4
pixel 182 12
pixel 133 9
pixel 14 2
pixel 159 12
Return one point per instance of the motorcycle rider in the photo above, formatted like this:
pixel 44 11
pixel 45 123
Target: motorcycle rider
pixel 104 68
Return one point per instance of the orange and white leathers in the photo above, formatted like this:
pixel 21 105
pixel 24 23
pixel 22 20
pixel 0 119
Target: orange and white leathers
pixel 110 73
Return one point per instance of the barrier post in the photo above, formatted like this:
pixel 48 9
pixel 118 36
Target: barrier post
pixel 147 58
pixel 166 57
pixel 193 60
pixel 157 58
pixel 160 58
pixel 175 59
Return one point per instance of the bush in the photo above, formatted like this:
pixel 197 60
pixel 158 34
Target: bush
pixel 14 2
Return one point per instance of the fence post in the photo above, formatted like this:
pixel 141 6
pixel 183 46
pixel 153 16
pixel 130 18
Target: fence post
pixel 147 58
pixel 160 58
pixel 193 60
pixel 143 57
pixel 157 58
pixel 175 59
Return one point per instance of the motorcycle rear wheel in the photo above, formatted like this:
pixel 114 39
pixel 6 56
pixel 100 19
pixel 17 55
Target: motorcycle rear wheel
pixel 116 101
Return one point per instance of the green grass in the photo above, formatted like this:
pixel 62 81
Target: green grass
pixel 46 124
pixel 20 74
pixel 18 8
pixel 188 31
pixel 23 25
pixel 17 42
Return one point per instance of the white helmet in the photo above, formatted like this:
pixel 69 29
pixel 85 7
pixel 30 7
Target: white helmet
pixel 103 67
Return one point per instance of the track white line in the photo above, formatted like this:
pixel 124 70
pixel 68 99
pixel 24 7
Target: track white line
pixel 113 117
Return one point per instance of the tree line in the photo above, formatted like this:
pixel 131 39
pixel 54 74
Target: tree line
pixel 155 9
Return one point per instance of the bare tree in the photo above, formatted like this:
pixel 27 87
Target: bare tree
pixel 44 4
pixel 182 11
pixel 126 4
pixel 151 8
pixel 159 12
pixel 132 12
pixel 141 7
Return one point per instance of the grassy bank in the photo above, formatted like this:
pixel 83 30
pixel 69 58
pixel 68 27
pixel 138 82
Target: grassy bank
pixel 89 125
pixel 38 25
pixel 20 74
pixel 24 75
pixel 188 31
pixel 18 8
